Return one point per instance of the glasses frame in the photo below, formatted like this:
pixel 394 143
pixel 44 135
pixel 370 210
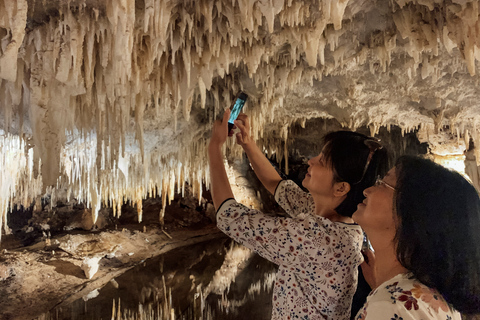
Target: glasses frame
pixel 373 144
pixel 380 181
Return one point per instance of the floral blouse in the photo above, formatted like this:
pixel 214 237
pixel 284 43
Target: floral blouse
pixel 404 298
pixel 317 258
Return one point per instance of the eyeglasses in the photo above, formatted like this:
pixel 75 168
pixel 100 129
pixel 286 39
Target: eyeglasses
pixel 380 181
pixel 373 144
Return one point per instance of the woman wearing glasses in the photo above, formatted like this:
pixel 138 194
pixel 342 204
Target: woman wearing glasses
pixel 317 248
pixel 423 222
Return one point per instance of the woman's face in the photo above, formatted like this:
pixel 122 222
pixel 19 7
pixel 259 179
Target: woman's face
pixel 319 178
pixel 375 215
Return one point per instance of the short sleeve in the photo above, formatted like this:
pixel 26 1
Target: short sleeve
pixel 295 201
pixel 285 241
pixel 384 310
pixel 404 298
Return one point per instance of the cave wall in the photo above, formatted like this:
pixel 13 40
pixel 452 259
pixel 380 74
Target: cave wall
pixel 107 102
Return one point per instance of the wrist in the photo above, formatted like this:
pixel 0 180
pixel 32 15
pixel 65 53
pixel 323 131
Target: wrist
pixel 214 146
pixel 249 146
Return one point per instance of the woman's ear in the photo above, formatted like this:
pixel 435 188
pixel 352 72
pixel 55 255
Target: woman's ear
pixel 341 189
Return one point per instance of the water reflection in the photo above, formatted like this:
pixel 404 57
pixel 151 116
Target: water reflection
pixel 218 279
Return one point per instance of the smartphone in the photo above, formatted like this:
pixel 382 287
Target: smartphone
pixel 237 107
pixel 366 243
pixel 366 246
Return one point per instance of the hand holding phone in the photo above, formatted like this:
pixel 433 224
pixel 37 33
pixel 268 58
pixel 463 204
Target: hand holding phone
pixel 236 109
pixel 243 125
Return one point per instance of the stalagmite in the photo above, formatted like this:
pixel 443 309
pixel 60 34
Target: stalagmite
pixel 90 266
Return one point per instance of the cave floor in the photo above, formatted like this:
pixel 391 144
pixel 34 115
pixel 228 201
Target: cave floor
pixel 48 274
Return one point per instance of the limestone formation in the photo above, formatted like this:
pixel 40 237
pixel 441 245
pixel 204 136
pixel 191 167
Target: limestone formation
pixel 112 101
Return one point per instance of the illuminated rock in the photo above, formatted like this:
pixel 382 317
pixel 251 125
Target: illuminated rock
pixel 112 102
pixel 90 266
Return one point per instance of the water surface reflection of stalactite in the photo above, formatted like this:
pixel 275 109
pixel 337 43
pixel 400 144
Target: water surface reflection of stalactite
pixel 217 279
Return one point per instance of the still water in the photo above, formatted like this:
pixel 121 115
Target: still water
pixel 217 279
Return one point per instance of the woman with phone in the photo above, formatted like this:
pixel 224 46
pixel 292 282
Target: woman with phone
pixel 423 222
pixel 318 247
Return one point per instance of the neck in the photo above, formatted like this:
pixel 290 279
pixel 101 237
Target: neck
pixel 386 264
pixel 326 208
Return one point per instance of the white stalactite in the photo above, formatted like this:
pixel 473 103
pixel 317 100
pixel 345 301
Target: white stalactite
pixel 93 84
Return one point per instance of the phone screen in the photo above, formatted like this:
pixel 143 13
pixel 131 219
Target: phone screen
pixel 237 107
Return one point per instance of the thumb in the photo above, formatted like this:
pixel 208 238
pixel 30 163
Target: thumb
pixel 226 115
pixel 369 257
pixel 241 126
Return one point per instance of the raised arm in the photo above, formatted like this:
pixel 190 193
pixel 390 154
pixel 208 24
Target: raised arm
pixel 264 170
pixel 220 185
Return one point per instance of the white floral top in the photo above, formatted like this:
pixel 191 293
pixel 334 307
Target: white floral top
pixel 404 298
pixel 317 258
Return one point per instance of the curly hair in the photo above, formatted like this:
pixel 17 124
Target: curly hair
pixel 438 233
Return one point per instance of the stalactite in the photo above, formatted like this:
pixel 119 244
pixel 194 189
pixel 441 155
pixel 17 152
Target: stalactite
pixel 13 16
pixel 97 82
pixel 18 184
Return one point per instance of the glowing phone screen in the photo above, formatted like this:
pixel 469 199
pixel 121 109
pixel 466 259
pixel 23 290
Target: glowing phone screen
pixel 237 107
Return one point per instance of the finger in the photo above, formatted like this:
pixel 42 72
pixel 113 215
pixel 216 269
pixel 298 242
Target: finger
pixel 244 118
pixel 365 266
pixel 226 115
pixel 241 126
pixel 369 257
pixel 239 138
pixel 238 121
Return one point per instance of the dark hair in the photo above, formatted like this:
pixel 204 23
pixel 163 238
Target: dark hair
pixel 347 154
pixel 438 233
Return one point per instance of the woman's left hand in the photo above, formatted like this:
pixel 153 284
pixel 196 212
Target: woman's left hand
pixel 369 268
pixel 220 130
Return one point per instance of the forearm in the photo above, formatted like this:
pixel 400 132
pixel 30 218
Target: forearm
pixel 264 170
pixel 220 186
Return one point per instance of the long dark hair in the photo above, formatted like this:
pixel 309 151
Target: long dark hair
pixel 438 233
pixel 347 153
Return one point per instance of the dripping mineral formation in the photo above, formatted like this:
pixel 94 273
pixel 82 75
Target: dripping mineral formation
pixel 107 102
pixel 111 102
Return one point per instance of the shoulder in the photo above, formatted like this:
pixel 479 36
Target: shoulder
pixel 403 297
pixel 230 208
pixel 351 229
pixel 288 188
pixel 351 233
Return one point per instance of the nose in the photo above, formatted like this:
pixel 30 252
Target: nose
pixel 367 191
pixel 309 161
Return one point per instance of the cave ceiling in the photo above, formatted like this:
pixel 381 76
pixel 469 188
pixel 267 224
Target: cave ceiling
pixel 113 101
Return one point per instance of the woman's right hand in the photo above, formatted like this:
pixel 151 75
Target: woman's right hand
pixel 220 130
pixel 243 137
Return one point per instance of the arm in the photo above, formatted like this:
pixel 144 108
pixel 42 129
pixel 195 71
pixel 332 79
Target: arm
pixel 220 185
pixel 283 241
pixel 265 172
